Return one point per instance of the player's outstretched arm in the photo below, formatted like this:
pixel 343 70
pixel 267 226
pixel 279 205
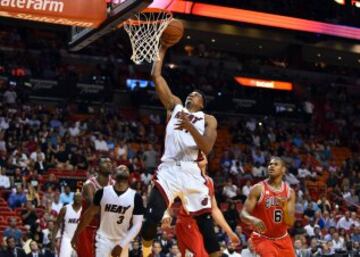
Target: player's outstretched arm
pixel 249 206
pixel 84 221
pixel 220 220
pixel 162 88
pixel 59 221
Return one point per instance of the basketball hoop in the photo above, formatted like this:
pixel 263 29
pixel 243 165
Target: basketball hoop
pixel 144 30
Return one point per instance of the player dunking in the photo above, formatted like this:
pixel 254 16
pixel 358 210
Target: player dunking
pixel 67 220
pixel 87 237
pixel 188 132
pixel 189 238
pixel 270 209
pixel 118 206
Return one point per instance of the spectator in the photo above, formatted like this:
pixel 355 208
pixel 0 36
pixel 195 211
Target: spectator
pixel 232 216
pixel 4 180
pixel 62 158
pixel 37 155
pixel 157 250
pixel 32 195
pixel 67 196
pixel 309 211
pixel 47 232
pixel 230 251
pixel 136 250
pixel 246 188
pixel 230 190
pixel 248 252
pixel 241 235
pixel 150 158
pixel 10 96
pixel 258 171
pixel 40 166
pixel 328 220
pixel 100 144
pixel 174 251
pixel 338 243
pixel 13 231
pixel 309 228
pixel 344 222
pixel 35 251
pixel 78 160
pixel 299 250
pixel 17 198
pixel 29 215
pixel 12 250
pixel 314 249
pixel 146 177
pixel 56 205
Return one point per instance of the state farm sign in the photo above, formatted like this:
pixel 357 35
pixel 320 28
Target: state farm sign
pixel 80 13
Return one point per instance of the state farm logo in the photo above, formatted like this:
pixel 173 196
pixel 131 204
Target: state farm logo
pixel 36 5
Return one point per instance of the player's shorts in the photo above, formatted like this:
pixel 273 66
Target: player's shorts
pixel 190 240
pixel 104 246
pixel 66 249
pixel 273 247
pixel 183 180
pixel 86 243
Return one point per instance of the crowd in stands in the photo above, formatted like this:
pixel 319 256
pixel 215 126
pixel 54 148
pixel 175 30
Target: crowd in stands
pixel 42 145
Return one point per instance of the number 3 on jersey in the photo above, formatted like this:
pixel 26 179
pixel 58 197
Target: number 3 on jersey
pixel 278 216
pixel 120 220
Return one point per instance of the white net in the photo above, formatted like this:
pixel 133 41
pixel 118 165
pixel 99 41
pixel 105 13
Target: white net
pixel 144 31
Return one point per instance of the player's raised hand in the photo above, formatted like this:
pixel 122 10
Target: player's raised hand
pixel 259 225
pixel 183 122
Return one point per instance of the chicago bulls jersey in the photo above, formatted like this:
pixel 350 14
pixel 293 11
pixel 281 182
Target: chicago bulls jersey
pixel 71 221
pixel 95 184
pixel 179 144
pixel 183 216
pixel 270 210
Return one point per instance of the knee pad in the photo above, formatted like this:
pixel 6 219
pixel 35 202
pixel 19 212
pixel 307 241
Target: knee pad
pixel 206 227
pixel 153 215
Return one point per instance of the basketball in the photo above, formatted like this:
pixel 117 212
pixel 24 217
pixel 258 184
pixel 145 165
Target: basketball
pixel 173 33
pixel 116 252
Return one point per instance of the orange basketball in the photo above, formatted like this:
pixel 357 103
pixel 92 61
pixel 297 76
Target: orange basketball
pixel 173 33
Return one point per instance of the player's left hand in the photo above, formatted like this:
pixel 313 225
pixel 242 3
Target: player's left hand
pixel 74 241
pixel 234 239
pixel 183 122
pixel 116 252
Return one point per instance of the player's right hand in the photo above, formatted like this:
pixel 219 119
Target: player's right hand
pixel 259 225
pixel 234 238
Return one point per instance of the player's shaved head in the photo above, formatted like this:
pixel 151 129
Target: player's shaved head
pixel 279 159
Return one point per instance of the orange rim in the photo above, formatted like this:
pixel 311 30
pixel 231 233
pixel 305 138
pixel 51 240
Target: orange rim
pixel 137 22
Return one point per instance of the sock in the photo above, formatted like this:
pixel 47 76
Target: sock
pixel 146 248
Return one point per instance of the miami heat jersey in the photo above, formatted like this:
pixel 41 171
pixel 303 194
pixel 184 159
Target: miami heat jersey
pixel 183 216
pixel 71 221
pixel 179 144
pixel 116 212
pixel 270 210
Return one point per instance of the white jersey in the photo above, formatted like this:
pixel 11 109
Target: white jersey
pixel 116 213
pixel 179 144
pixel 71 221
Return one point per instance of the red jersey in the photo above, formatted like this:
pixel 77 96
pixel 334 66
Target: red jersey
pixel 93 181
pixel 270 210
pixel 183 216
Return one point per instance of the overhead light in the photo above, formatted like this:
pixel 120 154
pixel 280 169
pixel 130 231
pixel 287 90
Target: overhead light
pixel 339 57
pixel 213 40
pixel 260 47
pixel 358 60
pixel 188 37
pixel 342 2
pixel 319 55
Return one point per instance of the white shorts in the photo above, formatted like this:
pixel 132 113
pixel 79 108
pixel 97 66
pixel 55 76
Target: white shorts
pixel 66 249
pixel 104 246
pixel 184 180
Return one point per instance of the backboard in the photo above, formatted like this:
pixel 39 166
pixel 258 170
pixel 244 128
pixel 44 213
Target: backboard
pixel 117 13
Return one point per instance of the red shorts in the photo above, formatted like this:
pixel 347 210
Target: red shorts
pixel 189 238
pixel 273 247
pixel 86 243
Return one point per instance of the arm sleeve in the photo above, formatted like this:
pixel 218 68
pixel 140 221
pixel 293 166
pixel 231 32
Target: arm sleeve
pixel 138 205
pixel 132 233
pixel 97 197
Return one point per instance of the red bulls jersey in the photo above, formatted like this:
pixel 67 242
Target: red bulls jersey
pixel 270 210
